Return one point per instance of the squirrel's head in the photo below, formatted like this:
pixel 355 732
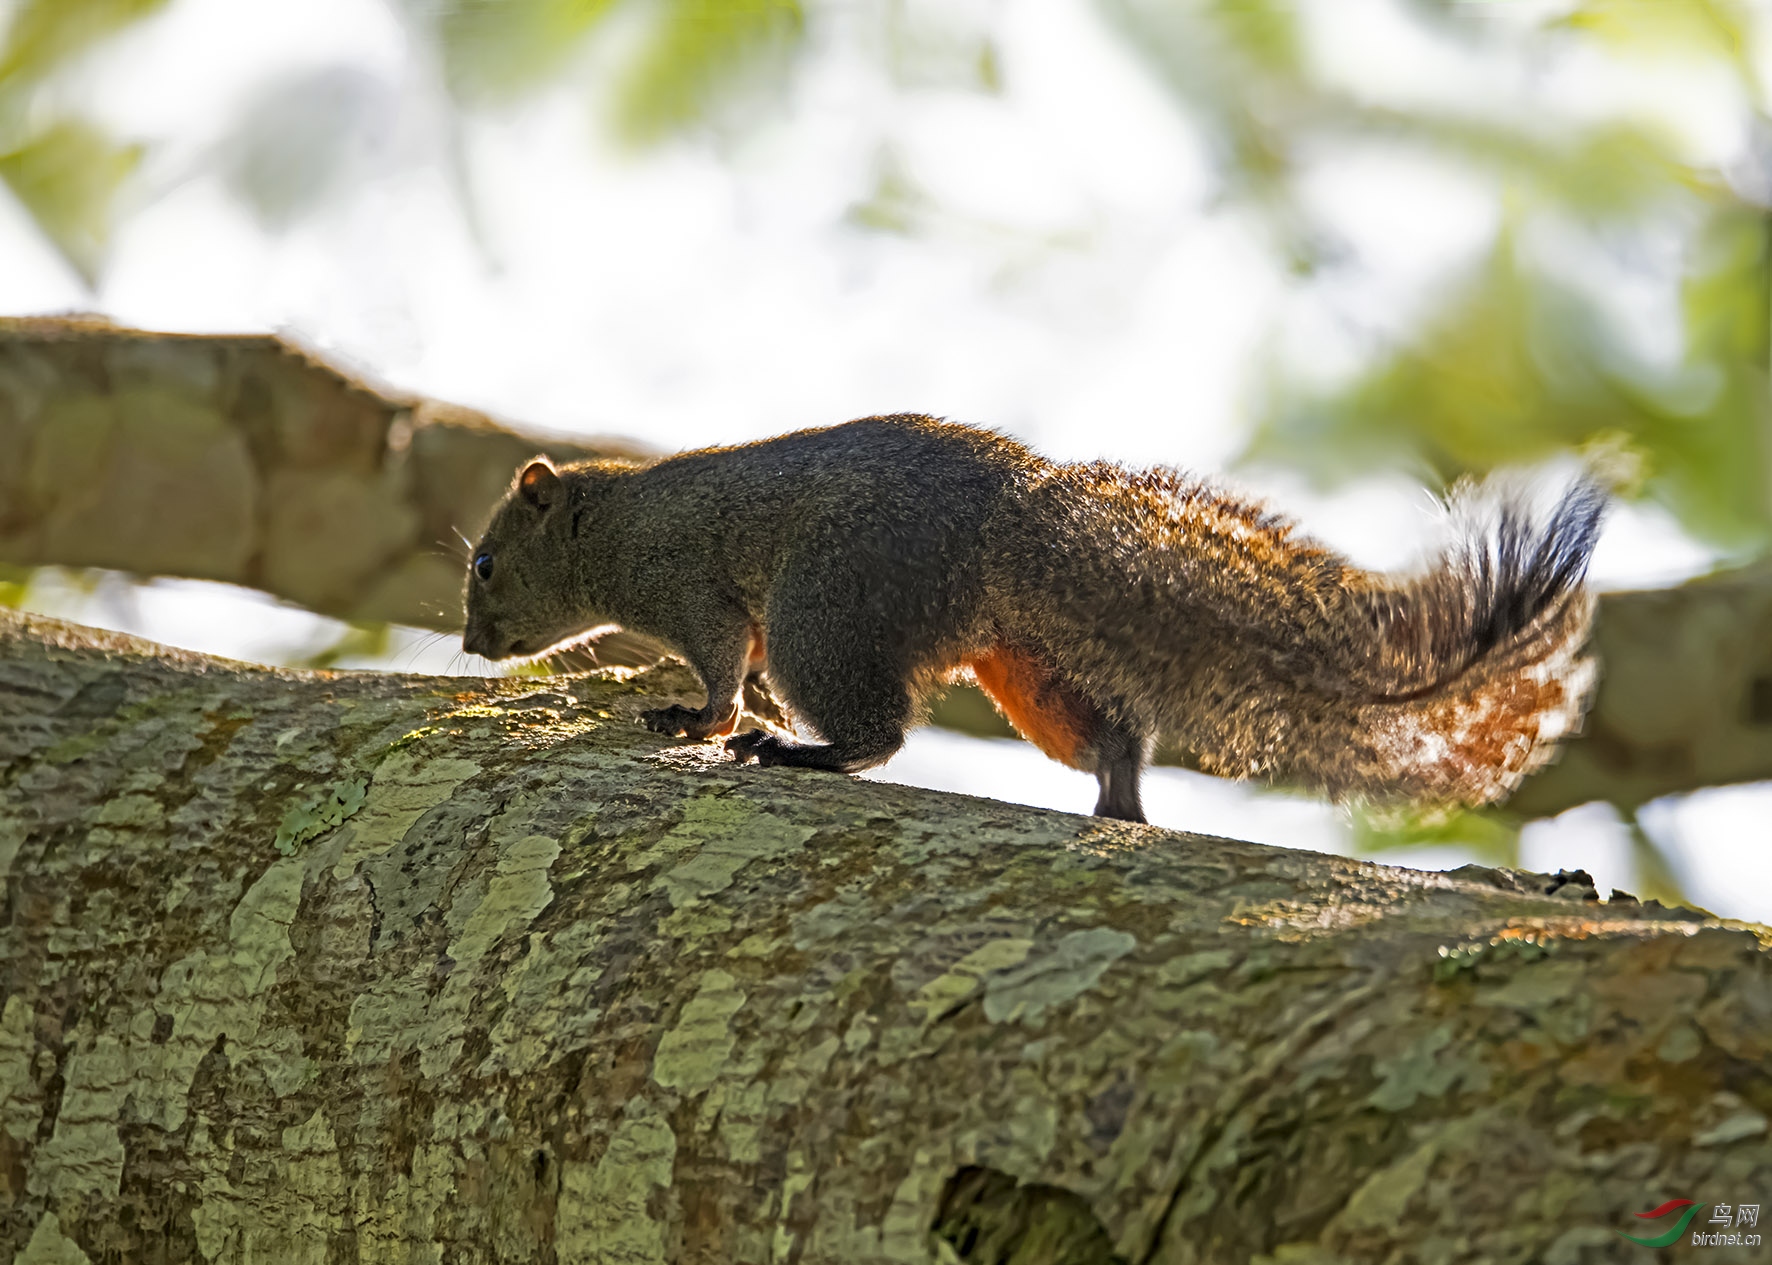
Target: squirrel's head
pixel 521 595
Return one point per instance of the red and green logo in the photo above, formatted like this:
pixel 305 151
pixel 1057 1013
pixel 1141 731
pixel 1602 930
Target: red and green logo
pixel 1672 1206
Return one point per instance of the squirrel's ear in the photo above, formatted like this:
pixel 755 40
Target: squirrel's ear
pixel 539 483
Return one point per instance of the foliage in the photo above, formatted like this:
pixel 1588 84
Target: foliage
pixel 46 34
pixel 697 50
pixel 362 639
pixel 1512 363
pixel 63 169
pixel 15 583
pixel 497 49
pixel 1517 365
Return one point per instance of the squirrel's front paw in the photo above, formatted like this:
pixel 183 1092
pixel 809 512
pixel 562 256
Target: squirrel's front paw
pixel 675 720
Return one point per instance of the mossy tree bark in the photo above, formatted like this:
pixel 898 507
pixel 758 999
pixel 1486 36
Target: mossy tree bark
pixel 337 967
pixel 243 459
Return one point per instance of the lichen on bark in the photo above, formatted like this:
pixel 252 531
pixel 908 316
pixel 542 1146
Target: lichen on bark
pixel 525 982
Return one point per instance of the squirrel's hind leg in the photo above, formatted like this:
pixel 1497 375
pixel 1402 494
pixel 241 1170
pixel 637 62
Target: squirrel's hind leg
pixel 1120 755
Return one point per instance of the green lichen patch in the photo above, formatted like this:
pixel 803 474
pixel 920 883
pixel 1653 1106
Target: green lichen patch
pixel 21 1101
pixel 321 810
pixel 1382 1200
pixel 608 1212
pixel 115 717
pixel 1740 1125
pixel 1072 966
pixel 220 990
pixel 692 1052
pixel 84 1156
pixel 49 1246
pixel 1429 1067
pixel 1537 986
pixel 967 975
pixel 412 736
pixel 132 811
pixel 718 836
pixel 408 782
pixel 546 1014
pixel 508 901
pixel 518 891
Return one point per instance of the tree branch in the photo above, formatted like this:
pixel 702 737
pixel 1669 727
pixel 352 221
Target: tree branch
pixel 1685 698
pixel 246 460
pixel 330 967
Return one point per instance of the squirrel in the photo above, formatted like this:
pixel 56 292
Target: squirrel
pixel 864 566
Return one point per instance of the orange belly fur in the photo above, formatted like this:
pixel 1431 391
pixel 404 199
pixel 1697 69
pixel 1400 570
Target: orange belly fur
pixel 1043 709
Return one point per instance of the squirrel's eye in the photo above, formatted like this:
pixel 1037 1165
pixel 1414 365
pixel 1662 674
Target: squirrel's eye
pixel 483 566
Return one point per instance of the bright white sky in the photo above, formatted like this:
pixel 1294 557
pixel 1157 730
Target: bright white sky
pixel 1076 280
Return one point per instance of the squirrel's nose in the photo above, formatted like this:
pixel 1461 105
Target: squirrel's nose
pixel 478 641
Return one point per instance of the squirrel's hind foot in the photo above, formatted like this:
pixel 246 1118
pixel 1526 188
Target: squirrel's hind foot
pixel 759 745
pixel 748 745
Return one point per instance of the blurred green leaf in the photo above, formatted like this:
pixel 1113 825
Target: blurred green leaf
pixel 1610 170
pixel 15 582
pixel 896 204
pixel 1726 293
pixel 1491 837
pixel 1471 392
pixel 1656 879
pixel 498 49
pixel 45 33
pixel 699 52
pixel 1515 367
pixel 988 67
pixel 931 45
pixel 359 641
pixel 67 177
pixel 1232 66
pixel 1712 464
pixel 1698 29
pixel 1263 33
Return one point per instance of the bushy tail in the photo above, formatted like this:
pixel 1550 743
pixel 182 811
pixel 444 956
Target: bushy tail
pixel 1488 590
pixel 1474 670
